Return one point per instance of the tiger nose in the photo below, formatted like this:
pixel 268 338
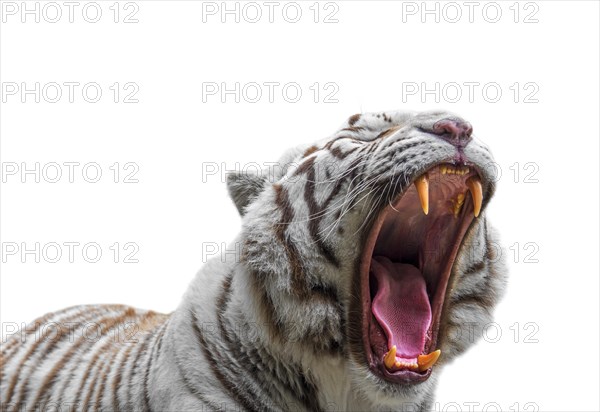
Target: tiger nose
pixel 454 131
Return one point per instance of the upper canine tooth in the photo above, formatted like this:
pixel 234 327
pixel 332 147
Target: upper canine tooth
pixel 427 361
pixel 422 185
pixel 444 169
pixel 474 184
pixel 390 358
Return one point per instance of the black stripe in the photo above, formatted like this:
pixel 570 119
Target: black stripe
pixel 94 369
pixel 148 369
pixel 238 395
pixel 353 119
pixel 337 152
pixel 294 259
pixel 472 299
pixel 118 376
pixel 258 367
pixel 371 148
pixel 24 392
pixel 162 335
pixel 222 303
pixel 100 397
pixel 267 307
pixel 90 367
pixel 32 328
pixel 388 132
pixel 309 394
pixel 474 268
pixel 316 214
pixel 135 366
pixel 101 382
pixel 193 389
pixel 45 391
pixel 31 352
pixel 353 129
pixel 65 383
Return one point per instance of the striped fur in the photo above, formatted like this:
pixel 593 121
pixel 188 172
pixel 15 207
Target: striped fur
pixel 70 360
pixel 277 329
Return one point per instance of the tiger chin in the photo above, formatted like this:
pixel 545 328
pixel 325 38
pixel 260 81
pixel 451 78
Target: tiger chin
pixel 366 265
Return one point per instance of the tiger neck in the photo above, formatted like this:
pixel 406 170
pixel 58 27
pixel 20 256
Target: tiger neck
pixel 300 376
pixel 256 363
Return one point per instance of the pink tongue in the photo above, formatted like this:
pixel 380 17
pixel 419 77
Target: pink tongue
pixel 401 305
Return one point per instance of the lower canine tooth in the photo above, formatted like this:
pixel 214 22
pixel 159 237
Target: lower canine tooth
pixel 422 185
pixel 427 361
pixel 390 358
pixel 476 190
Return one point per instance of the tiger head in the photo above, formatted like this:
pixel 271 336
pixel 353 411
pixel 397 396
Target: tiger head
pixel 372 247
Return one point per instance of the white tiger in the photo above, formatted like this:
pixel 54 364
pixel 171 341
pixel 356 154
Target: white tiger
pixel 359 254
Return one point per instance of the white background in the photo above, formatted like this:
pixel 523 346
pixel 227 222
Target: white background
pixel 374 54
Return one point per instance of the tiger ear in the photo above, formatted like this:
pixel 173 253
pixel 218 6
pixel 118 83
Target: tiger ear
pixel 244 187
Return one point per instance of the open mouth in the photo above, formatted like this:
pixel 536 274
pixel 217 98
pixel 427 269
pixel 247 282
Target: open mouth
pixel 405 269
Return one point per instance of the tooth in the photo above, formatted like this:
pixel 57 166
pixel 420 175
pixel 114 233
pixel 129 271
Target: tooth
pixel 460 199
pixel 476 192
pixel 444 170
pixel 422 185
pixel 390 358
pixel 427 361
